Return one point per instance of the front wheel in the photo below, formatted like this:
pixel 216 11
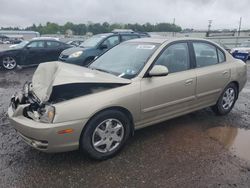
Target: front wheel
pixel 227 100
pixel 9 63
pixel 105 134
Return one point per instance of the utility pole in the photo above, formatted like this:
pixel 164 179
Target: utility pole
pixel 209 27
pixel 173 25
pixel 239 27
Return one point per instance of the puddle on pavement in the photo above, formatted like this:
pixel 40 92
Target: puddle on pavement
pixel 234 139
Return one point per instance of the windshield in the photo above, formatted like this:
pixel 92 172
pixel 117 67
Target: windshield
pixel 245 44
pixel 21 44
pixel 93 41
pixel 125 60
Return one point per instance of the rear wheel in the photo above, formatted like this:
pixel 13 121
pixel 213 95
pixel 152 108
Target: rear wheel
pixel 105 134
pixel 9 63
pixel 227 100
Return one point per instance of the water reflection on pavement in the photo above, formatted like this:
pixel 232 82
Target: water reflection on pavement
pixel 234 139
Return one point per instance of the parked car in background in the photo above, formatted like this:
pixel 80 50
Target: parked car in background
pixel 32 52
pixel 242 52
pixel 95 46
pixel 75 42
pixel 6 42
pixel 138 83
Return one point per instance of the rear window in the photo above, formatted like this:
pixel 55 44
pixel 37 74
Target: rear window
pixel 205 54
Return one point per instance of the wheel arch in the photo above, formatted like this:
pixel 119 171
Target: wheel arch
pixel 119 108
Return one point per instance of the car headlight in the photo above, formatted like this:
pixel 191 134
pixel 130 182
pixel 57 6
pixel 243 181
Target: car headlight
pixel 47 114
pixel 75 54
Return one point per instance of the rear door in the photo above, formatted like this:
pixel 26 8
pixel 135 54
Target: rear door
pixel 53 50
pixel 212 72
pixel 167 96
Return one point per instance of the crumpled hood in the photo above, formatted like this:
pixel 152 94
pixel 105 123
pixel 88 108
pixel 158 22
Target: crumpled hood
pixel 57 73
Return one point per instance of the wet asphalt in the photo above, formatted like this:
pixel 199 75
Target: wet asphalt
pixel 195 150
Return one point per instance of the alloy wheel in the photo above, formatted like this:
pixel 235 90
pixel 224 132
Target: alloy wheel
pixel 228 98
pixel 9 63
pixel 108 135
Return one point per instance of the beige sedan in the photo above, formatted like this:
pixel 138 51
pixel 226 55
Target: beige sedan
pixel 136 84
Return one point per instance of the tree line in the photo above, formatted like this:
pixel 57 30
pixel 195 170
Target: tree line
pixel 95 28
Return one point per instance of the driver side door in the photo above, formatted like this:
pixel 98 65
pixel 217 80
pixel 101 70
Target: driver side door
pixel 168 96
pixel 34 53
pixel 108 43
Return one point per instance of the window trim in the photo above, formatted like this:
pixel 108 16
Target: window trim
pixel 191 63
pixel 218 49
pixel 212 44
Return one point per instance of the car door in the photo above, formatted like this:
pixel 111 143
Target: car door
pixel 53 50
pixel 108 43
pixel 34 53
pixel 212 72
pixel 168 96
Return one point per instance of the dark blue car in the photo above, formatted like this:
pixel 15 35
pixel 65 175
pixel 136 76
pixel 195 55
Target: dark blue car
pixel 95 46
pixel 241 55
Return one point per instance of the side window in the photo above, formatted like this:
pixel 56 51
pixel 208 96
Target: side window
pixel 52 44
pixel 36 44
pixel 205 54
pixel 175 58
pixel 111 41
pixel 129 37
pixel 221 56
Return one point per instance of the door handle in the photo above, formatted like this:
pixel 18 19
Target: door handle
pixel 188 82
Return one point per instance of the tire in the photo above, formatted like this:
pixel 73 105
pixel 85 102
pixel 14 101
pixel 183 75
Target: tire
pixel 8 63
pixel 105 134
pixel 227 100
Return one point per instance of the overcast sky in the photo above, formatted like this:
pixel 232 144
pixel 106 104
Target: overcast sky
pixel 187 13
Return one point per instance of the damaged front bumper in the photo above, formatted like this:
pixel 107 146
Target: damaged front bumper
pixel 45 136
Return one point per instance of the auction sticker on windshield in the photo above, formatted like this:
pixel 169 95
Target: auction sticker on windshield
pixel 146 47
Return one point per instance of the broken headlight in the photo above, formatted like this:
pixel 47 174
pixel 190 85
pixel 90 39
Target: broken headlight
pixel 47 114
pixel 27 88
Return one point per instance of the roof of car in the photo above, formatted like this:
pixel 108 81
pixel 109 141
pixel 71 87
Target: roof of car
pixel 149 40
pixel 161 40
pixel 121 33
pixel 45 38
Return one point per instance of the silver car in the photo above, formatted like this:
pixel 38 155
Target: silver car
pixel 135 84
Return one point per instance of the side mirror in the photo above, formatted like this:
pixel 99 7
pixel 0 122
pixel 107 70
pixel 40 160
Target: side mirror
pixel 103 46
pixel 158 70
